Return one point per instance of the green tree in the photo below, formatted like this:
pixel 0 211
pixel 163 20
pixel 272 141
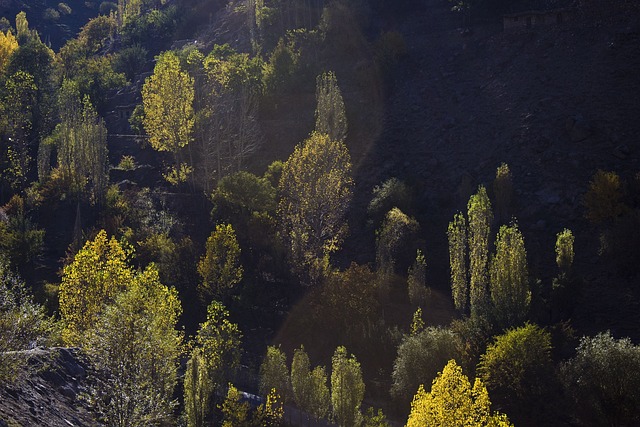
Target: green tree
pixel 98 272
pixel 452 402
pixel 420 357
pixel 503 191
pixel 20 238
pixel 167 97
pixel 220 340
pixel 245 193
pixel 480 218
pixel 513 366
pixel 274 373
pixel 375 419
pixel 135 346
pixel 82 143
pixel 197 389
pixel 315 191
pixel 603 380
pixel 457 234
pixel 318 393
pixel 347 388
pixel 234 412
pixel 564 251
pixel 18 116
pixel 270 413
pixel 392 240
pixel 22 323
pixel 509 281
pixel 603 200
pixel 220 267
pixel 309 387
pixel 330 112
pixel 417 281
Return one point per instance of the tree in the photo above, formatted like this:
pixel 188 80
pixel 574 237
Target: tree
pixel 274 373
pixel 330 112
pixel 270 413
pixel 220 267
pixel 420 357
pixel 235 412
pixel 82 143
pixel 310 390
pixel 603 380
pixel 457 233
pixel 220 340
pixel 393 240
pixel 417 281
pixel 135 346
pixel 318 393
pixel 603 200
pixel 480 218
pixel 98 272
pixel 197 389
pixel 20 101
pixel 347 388
pixel 503 191
pixel 452 402
pixel 315 191
pixel 564 251
pixel 509 282
pixel 167 97
pixel 22 323
pixel 8 44
pixel 514 364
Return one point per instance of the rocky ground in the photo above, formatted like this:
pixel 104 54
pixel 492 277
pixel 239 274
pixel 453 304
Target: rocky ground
pixel 49 392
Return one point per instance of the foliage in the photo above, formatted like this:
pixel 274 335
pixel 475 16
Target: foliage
pixel 82 143
pixel 603 380
pixel 127 163
pixel 603 200
pixel 156 25
pixel 270 413
pixel 420 357
pixel 220 341
pixel 417 323
pixel 280 70
pixel 374 419
pixel 509 282
pixel 480 218
pixel 417 281
pixel 20 239
pixel 177 174
pixel 130 61
pixel 564 250
pixel 64 8
pixel 235 412
pixel 503 191
pixel 167 97
pixel 245 193
pixel 23 323
pixel 99 271
pixel 309 387
pixel 452 402
pixel 457 234
pixel 220 267
pixel 197 389
pixel 274 373
pixel 315 192
pixel 391 193
pixel 347 388
pixel 393 240
pixel 135 345
pixel 330 113
pixel 8 44
pixel 515 363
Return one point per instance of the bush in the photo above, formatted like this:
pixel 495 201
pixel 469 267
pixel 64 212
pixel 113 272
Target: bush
pixel 50 15
pixel 127 163
pixel 603 200
pixel 130 61
pixel 391 193
pixel 64 9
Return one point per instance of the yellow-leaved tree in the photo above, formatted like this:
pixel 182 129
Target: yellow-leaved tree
pixel 452 402
pixel 99 271
pixel 315 192
pixel 8 44
pixel 167 98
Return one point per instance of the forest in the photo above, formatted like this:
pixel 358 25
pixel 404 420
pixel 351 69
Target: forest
pixel 343 213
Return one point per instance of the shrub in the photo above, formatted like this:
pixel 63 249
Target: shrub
pixel 391 193
pixel 64 9
pixel 50 14
pixel 130 61
pixel 127 163
pixel 603 200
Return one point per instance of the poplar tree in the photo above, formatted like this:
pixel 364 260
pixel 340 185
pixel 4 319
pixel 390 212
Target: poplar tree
pixel 330 112
pixel 274 373
pixel 197 389
pixel 167 98
pixel 564 251
pixel 480 218
pixel 347 388
pixel 417 281
pixel 457 234
pixel 509 281
pixel 503 191
pixel 220 266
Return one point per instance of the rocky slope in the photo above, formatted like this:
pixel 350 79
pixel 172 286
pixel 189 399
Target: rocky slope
pixel 48 392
